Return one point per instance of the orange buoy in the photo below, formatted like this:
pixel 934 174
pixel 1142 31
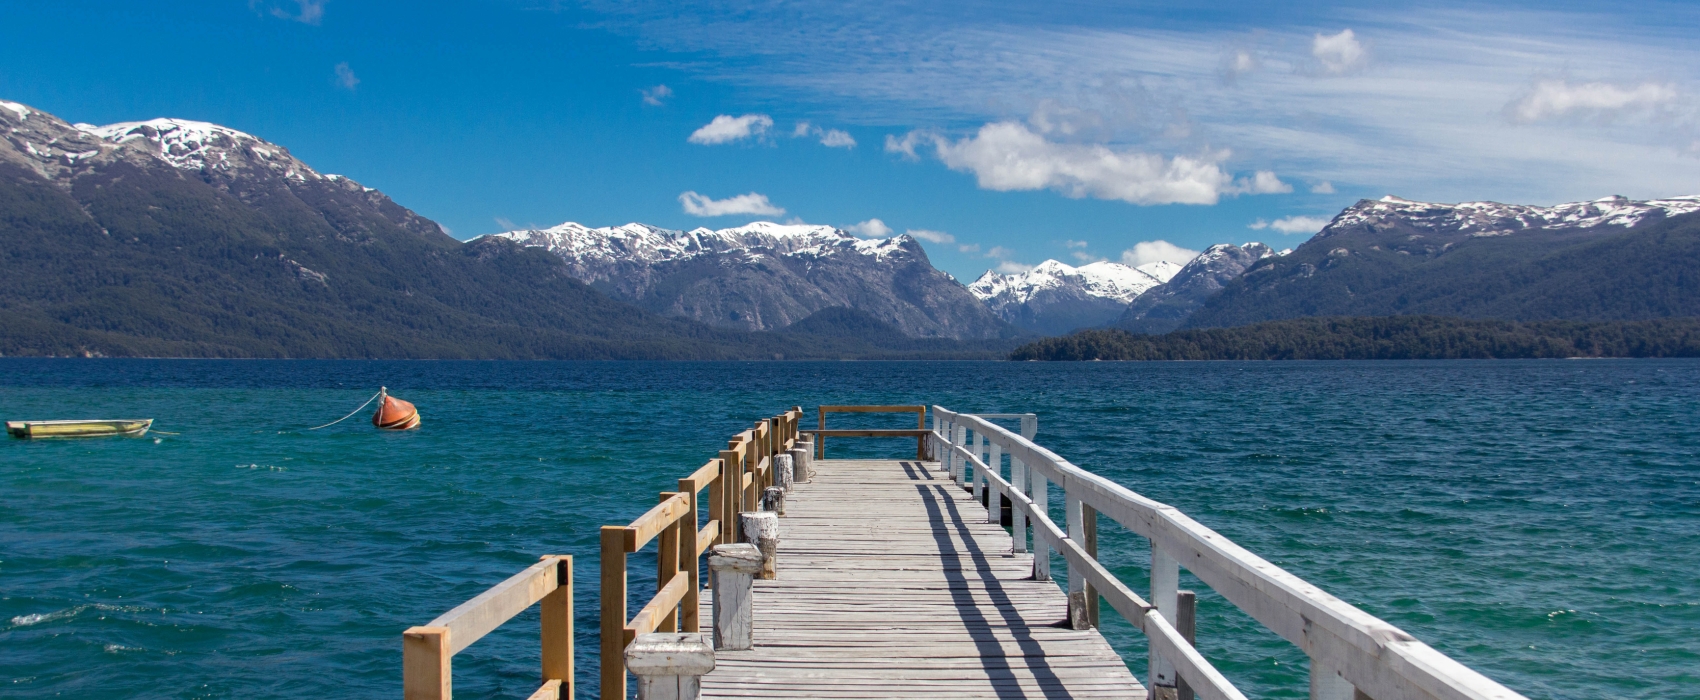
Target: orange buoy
pixel 394 413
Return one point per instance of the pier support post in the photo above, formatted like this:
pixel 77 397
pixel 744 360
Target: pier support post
pixel 763 530
pixel 732 568
pixel 669 666
pixel 1165 585
pixel 785 470
pixel 773 500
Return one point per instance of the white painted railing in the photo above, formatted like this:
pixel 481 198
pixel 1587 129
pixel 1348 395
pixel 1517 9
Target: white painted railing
pixel 1353 654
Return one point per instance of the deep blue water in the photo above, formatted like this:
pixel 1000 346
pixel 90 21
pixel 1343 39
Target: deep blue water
pixel 1538 521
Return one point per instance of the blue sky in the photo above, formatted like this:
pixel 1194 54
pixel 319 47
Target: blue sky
pixel 1006 133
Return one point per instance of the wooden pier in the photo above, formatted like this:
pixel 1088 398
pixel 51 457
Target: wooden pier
pixel 892 585
pixel 893 579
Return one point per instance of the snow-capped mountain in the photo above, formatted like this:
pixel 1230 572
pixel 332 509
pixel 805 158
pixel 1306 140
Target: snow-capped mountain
pixel 766 276
pixel 1163 309
pixel 1054 298
pixel 1486 219
pixel 1607 259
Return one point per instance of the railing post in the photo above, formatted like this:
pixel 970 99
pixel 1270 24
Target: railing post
pixel 425 673
pixel 1186 623
pixel 1029 426
pixel 1089 526
pixel 1327 684
pixel 730 473
pixel 1018 479
pixel 669 666
pixel 717 497
pixel 994 499
pixel 1076 577
pixel 556 611
pixel 613 612
pixel 1041 550
pixel 733 568
pixel 961 462
pixel 1165 584
pixel 667 566
pixel 820 440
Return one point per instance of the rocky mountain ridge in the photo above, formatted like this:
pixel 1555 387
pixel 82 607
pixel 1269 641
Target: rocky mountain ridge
pixel 767 276
pixel 1054 298
pixel 1168 307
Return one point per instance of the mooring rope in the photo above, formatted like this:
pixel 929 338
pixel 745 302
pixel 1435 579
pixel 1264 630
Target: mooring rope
pixel 351 413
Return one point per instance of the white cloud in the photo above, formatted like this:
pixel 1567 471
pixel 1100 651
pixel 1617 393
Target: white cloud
pixel 1008 156
pixel 1011 267
pixel 1292 224
pixel 1324 187
pixel 931 236
pixel 802 129
pixel 506 223
pixel 1085 257
pixel 1261 182
pixel 657 96
pixel 906 145
pixel 727 128
pixel 833 138
pixel 345 77
pixel 1154 251
pixel 1339 53
pixel 970 248
pixel 306 11
pixel 751 203
pixel 1558 98
pixel 1074 244
pixel 872 228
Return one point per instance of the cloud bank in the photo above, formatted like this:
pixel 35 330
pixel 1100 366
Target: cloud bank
pixel 1291 225
pixel 751 204
pixel 1157 251
pixel 1553 99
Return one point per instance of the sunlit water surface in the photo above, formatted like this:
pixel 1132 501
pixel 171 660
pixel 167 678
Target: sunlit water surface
pixel 1538 521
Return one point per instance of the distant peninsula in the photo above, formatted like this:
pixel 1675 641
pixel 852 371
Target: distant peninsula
pixel 1382 338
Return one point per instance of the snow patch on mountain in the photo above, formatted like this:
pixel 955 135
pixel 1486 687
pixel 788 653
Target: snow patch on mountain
pixel 192 145
pixel 1105 280
pixel 1483 219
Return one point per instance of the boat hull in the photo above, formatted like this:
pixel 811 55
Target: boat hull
pixel 39 429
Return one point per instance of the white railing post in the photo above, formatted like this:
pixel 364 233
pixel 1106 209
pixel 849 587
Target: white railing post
pixel 1018 520
pixel 1029 426
pixel 1326 683
pixel 1165 586
pixel 1041 550
pixel 994 502
pixel 1077 611
pixel 961 463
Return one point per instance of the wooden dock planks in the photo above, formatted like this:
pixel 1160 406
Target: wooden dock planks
pixel 892 585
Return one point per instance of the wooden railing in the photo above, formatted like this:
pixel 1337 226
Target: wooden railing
pixel 1353 654
pixel 427 650
pixel 920 432
pixel 734 481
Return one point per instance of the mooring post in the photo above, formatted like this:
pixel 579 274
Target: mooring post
pixel 763 530
pixel 732 568
pixel 799 465
pixel 784 470
pixel 773 500
pixel 1165 584
pixel 669 666
pixel 1186 623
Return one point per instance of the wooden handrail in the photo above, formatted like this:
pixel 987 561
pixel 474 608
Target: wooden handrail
pixel 1378 659
pixel 427 650
pixel 734 479
pixel 821 433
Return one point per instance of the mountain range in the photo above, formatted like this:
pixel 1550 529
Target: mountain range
pixel 767 276
pixel 178 238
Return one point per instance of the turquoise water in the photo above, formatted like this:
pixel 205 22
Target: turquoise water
pixel 1539 521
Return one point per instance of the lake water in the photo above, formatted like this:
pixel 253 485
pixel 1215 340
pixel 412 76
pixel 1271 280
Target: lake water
pixel 1538 521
